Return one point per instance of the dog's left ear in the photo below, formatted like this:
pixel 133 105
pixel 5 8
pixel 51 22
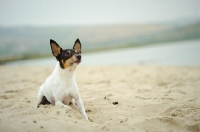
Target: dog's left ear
pixel 77 46
pixel 56 49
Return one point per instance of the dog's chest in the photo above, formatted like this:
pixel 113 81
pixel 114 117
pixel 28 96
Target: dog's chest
pixel 62 83
pixel 64 86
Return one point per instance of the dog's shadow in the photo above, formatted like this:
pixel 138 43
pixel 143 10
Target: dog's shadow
pixel 46 102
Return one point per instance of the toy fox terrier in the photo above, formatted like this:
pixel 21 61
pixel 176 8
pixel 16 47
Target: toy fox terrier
pixel 60 88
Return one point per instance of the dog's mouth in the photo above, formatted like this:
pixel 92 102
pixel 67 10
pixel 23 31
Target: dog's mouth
pixel 77 62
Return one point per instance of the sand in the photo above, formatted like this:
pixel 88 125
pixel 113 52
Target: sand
pixel 150 99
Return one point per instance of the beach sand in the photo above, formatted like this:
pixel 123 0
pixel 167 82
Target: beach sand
pixel 150 99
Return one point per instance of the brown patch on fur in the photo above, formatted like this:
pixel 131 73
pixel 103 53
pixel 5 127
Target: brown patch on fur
pixel 67 64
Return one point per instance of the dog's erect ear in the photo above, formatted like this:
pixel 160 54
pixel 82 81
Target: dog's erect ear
pixel 56 49
pixel 77 46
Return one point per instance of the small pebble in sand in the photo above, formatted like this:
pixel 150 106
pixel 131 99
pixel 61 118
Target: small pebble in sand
pixel 115 103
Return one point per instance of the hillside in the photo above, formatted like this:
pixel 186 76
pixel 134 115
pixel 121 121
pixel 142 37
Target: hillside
pixel 31 42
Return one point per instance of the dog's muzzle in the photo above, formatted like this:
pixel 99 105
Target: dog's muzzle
pixel 78 57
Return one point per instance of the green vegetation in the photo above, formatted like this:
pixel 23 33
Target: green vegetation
pixel 33 42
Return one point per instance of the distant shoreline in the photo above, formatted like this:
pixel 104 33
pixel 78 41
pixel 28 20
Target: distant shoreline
pixel 22 43
pixel 34 56
pixel 180 53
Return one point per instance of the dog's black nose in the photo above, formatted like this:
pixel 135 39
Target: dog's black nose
pixel 78 57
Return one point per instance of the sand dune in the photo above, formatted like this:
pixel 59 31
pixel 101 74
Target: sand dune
pixel 150 99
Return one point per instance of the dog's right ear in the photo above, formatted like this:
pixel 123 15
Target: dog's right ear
pixel 56 49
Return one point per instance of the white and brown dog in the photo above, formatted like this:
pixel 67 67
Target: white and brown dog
pixel 60 88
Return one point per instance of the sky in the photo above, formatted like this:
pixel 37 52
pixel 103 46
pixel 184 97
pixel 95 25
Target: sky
pixel 94 12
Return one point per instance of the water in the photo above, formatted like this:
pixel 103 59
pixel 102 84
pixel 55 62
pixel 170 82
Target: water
pixel 182 53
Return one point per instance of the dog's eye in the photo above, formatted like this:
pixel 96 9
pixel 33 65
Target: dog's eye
pixel 67 53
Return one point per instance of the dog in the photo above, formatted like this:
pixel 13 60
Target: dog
pixel 60 88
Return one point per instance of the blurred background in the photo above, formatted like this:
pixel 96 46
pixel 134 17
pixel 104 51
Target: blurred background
pixel 111 32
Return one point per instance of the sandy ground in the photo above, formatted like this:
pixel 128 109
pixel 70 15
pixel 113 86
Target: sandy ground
pixel 150 99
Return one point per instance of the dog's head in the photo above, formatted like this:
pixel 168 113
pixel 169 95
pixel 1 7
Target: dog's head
pixel 68 57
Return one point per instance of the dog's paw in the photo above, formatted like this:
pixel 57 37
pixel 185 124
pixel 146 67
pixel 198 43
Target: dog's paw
pixel 73 102
pixel 67 107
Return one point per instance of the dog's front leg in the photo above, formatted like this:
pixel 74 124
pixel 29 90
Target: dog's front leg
pixel 81 108
pixel 59 103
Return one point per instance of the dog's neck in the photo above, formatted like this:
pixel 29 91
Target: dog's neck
pixel 64 73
